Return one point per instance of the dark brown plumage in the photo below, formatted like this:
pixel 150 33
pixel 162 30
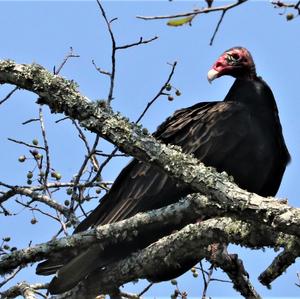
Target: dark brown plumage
pixel 241 135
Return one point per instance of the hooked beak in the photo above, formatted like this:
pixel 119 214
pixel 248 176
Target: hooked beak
pixel 212 75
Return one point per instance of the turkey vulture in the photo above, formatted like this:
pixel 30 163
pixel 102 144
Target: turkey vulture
pixel 241 135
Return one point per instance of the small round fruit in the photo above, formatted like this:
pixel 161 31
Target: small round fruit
pixel 174 282
pixel 33 221
pixel 67 202
pixel 29 182
pixel 289 16
pixel 69 191
pixel 29 175
pixel 6 239
pixel 22 159
pixel 170 98
pixel 58 176
pixel 35 141
pixel 178 93
pixel 168 87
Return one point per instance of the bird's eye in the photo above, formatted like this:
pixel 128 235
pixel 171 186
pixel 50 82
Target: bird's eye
pixel 235 56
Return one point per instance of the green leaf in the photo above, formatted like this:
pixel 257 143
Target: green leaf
pixel 180 22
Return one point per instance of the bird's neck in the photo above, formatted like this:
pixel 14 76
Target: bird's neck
pixel 254 92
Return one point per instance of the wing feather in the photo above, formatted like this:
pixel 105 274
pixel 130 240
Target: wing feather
pixel 203 130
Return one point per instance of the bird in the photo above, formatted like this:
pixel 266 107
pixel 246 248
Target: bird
pixel 241 135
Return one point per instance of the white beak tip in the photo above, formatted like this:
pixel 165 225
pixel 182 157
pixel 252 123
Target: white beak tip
pixel 212 75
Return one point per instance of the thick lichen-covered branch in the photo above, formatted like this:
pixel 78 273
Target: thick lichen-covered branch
pixel 174 216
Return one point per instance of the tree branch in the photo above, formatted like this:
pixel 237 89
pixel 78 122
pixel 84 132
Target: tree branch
pixel 36 197
pixel 234 268
pixel 173 216
pixel 188 245
pixel 194 12
pixel 9 95
pixel 23 289
pixel 123 231
pixel 280 264
pixel 140 42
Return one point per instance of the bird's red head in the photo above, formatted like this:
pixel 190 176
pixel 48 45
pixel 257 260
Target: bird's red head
pixel 236 62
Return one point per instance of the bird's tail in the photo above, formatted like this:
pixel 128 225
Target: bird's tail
pixel 76 270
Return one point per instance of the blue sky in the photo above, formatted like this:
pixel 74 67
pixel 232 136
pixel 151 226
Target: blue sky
pixel 42 32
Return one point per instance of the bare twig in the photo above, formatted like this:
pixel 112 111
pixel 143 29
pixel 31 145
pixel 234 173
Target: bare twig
pixel 298 276
pixel 27 205
pixel 9 95
pixel 30 121
pixel 140 42
pixel 280 4
pixel 160 92
pixel 91 152
pixel 10 276
pixel 81 171
pixel 61 119
pixel 27 144
pixel 197 12
pixel 145 289
pixel 113 54
pixel 217 27
pixel 112 73
pixel 46 147
pixel 206 280
pixel 285 5
pixel 103 164
pixel 99 153
pixel 68 56
pixel 101 71
pixel 55 185
pixel 194 12
pixel 4 210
